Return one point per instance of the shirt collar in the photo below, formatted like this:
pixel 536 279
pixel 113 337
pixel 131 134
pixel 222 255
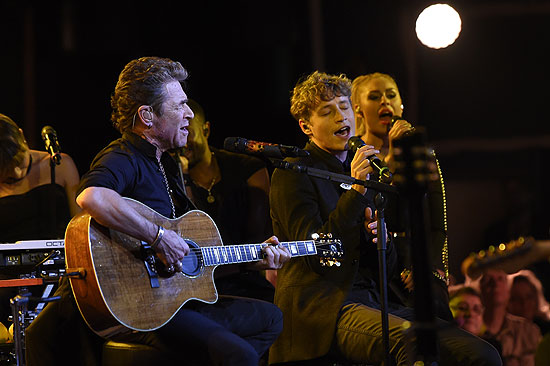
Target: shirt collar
pixel 332 162
pixel 143 145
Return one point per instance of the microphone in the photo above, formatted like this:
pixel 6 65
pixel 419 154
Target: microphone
pixel 394 119
pixel 242 145
pixel 49 136
pixel 383 171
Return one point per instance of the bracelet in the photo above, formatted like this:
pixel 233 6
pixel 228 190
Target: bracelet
pixel 160 234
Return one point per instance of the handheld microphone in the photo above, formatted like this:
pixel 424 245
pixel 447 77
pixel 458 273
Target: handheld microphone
pixel 242 145
pixel 49 136
pixel 394 119
pixel 383 171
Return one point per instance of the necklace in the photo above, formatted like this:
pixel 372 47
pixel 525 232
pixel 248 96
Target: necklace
pixel 210 198
pixel 168 190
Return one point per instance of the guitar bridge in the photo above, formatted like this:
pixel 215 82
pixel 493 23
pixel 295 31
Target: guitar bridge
pixel 148 255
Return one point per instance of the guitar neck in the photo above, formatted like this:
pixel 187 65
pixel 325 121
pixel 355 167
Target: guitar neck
pixel 232 254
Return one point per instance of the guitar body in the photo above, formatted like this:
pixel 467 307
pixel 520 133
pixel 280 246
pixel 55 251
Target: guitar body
pixel 114 293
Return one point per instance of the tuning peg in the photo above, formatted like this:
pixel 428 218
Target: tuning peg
pixel 329 262
pixel 315 236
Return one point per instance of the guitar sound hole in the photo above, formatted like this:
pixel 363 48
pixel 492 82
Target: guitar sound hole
pixel 192 263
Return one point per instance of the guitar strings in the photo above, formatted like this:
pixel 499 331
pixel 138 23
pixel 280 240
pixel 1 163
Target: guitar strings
pixel 199 251
pixel 229 246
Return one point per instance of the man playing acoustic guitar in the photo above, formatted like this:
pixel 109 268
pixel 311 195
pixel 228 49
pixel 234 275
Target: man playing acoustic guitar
pixel 150 111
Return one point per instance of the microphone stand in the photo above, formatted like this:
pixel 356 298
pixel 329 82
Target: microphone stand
pixel 380 204
pixel 413 178
pixel 334 177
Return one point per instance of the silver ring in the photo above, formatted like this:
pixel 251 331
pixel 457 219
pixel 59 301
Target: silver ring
pixel 170 269
pixel 178 266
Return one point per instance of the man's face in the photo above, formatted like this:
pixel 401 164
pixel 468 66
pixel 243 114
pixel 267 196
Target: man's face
pixel 170 129
pixel 494 288
pixel 331 125
pixel 523 300
pixel 197 142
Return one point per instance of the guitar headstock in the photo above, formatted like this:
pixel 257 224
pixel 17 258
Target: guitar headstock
pixel 415 164
pixel 329 250
pixel 510 257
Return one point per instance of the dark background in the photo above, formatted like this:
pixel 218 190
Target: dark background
pixel 483 100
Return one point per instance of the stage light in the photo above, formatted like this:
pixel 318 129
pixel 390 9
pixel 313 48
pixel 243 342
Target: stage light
pixel 438 26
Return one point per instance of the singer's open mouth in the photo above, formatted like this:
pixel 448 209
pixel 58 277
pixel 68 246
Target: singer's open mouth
pixel 385 117
pixel 344 131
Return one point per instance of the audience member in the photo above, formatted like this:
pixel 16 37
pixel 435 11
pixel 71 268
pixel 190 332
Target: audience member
pixel 518 336
pixel 527 299
pixel 467 309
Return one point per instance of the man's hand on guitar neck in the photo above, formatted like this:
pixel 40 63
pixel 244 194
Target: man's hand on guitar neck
pixel 275 256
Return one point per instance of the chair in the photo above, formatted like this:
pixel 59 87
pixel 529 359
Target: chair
pixel 130 354
pixel 134 354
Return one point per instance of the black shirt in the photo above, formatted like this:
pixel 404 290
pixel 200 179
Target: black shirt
pixel 129 166
pixel 232 205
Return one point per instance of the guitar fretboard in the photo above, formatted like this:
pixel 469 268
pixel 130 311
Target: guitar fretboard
pixel 230 254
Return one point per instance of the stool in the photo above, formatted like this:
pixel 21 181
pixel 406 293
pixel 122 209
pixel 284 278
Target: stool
pixel 323 361
pixel 130 354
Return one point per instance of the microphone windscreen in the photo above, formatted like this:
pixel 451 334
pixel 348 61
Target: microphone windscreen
pixel 46 130
pixel 235 144
pixel 354 143
pixel 229 143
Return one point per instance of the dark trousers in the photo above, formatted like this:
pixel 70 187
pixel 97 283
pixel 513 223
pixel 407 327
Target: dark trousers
pixel 359 339
pixel 59 336
pixel 233 331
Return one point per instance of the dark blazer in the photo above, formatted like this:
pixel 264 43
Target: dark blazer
pixel 309 294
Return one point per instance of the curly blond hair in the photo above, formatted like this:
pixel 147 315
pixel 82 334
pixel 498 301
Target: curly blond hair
pixel 313 89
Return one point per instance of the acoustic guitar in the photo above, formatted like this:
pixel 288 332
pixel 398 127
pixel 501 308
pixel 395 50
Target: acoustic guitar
pixel 120 285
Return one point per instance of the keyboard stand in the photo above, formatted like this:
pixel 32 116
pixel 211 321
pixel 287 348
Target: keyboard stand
pixel 19 313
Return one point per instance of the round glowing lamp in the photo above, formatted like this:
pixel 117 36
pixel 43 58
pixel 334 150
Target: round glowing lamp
pixel 438 26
